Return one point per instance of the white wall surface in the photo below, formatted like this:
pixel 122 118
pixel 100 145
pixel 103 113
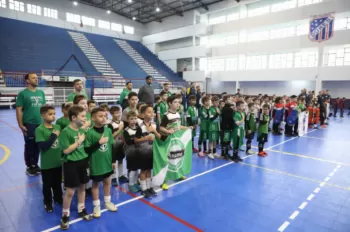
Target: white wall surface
pixel 171 64
pixel 337 88
pixel 63 6
pixel 174 44
pixel 198 51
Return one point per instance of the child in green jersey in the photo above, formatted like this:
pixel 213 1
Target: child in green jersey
pixel 213 127
pixel 204 126
pixel 76 165
pixel 91 105
pixel 80 100
pixel 63 121
pixel 98 145
pixel 50 157
pixel 250 127
pixel 163 106
pixel 192 118
pixel 155 109
pixel 238 130
pixel 263 129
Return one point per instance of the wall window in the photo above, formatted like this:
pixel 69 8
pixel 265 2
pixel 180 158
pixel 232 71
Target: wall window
pixel 289 4
pixel 217 20
pixel 116 27
pixel 231 64
pixel 282 32
pixel 51 13
pixel 216 65
pixel 104 24
pixel 217 41
pixel 33 9
pixel 256 62
pixel 284 60
pixel 74 18
pixel 88 21
pixel 2 3
pixel 337 57
pixel 232 17
pixel 258 11
pixel 129 30
pixel 303 29
pixel 16 5
pixel 258 36
pixel 307 2
pixel 233 39
pixel 305 59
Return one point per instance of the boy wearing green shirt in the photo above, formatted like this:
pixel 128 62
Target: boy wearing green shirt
pixel 80 100
pixel 63 121
pixel 238 130
pixel 50 157
pixel 250 128
pixel 163 106
pixel 204 126
pixel 263 129
pixel 192 118
pixel 214 127
pixel 98 145
pixel 76 165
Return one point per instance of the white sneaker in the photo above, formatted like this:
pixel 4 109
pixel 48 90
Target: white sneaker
pixel 97 212
pixel 217 155
pixel 211 156
pixel 250 152
pixel 110 206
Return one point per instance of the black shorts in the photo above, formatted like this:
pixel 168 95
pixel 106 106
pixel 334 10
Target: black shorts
pixel 76 173
pixel 262 138
pixel 118 151
pixel 250 136
pixel 101 177
pixel 146 156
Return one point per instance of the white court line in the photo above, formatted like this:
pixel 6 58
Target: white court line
pixel 310 197
pixel 294 215
pixel 317 190
pixel 303 205
pixel 174 184
pixel 283 226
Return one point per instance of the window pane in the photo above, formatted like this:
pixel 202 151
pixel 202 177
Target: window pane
pixel 258 11
pixel 3 3
pixel 129 30
pixel 104 24
pixel 73 18
pixel 116 27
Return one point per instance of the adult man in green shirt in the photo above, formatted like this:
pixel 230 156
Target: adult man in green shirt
pixel 28 105
pixel 166 89
pixel 123 100
pixel 78 90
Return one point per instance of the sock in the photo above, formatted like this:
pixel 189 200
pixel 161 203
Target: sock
pixel 235 152
pixel 149 183
pixel 114 175
pixel 136 176
pixel 205 146
pixel 143 185
pixel 107 199
pixel 81 206
pixel 192 143
pixel 120 169
pixel 199 145
pixel 66 212
pixel 261 146
pixel 96 203
pixel 249 144
pixel 214 150
pixel 132 179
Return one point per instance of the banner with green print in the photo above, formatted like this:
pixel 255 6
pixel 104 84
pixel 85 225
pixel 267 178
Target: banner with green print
pixel 172 158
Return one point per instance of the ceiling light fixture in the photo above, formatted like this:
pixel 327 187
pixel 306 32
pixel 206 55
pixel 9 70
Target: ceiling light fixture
pixel 134 18
pixel 75 3
pixel 129 1
pixel 108 11
pixel 157 9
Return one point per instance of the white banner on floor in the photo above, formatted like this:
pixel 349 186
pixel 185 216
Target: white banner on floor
pixel 303 123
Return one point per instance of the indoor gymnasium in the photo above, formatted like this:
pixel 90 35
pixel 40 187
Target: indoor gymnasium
pixel 174 115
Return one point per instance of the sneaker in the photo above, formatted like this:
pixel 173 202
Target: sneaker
pixel 96 212
pixel 31 171
pixel 315 127
pixel 239 159
pixel 151 190
pixel 323 126
pixel 146 194
pixel 250 152
pixel 207 152
pixel 261 153
pixel 138 186
pixel 37 168
pixel 123 179
pixel 114 182
pixel 111 207
pixel 183 178
pixel 195 150
pixel 211 156
pixel 265 153
pixel 201 154
pixel 164 186
pixel 133 188
pixel 216 155
pixel 241 148
pixel 84 215
pixel 49 208
pixel 64 223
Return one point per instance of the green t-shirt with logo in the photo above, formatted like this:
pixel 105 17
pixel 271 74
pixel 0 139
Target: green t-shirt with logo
pixel 88 118
pixel 163 108
pixel 100 159
pixel 71 96
pixel 214 123
pixel 204 116
pixel 63 122
pixel 67 137
pixel 50 158
pixel 31 101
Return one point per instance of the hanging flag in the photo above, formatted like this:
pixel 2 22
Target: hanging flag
pixel 172 158
pixel 321 28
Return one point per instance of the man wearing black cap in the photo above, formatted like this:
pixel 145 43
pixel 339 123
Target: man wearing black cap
pixel 146 92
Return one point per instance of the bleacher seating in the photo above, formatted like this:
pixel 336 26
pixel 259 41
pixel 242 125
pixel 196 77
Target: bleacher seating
pixel 115 56
pixel 98 84
pixel 32 47
pixel 155 61
pixel 19 82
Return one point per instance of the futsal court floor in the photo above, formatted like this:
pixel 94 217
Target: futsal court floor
pixel 303 185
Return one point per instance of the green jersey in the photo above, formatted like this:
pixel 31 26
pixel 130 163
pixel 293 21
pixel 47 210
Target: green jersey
pixel 100 159
pixel 301 108
pixel 238 130
pixel 214 120
pixel 88 118
pixel 264 124
pixel 71 96
pixel 204 116
pixel 68 137
pixel 31 101
pixel 250 123
pixel 180 110
pixel 192 116
pixel 171 121
pixel 63 122
pixel 162 109
pixel 50 158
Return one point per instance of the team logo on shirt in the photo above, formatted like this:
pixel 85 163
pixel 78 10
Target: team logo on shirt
pixel 321 28
pixel 176 152
pixel 103 147
pixel 55 144
pixel 76 139
pixel 36 101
